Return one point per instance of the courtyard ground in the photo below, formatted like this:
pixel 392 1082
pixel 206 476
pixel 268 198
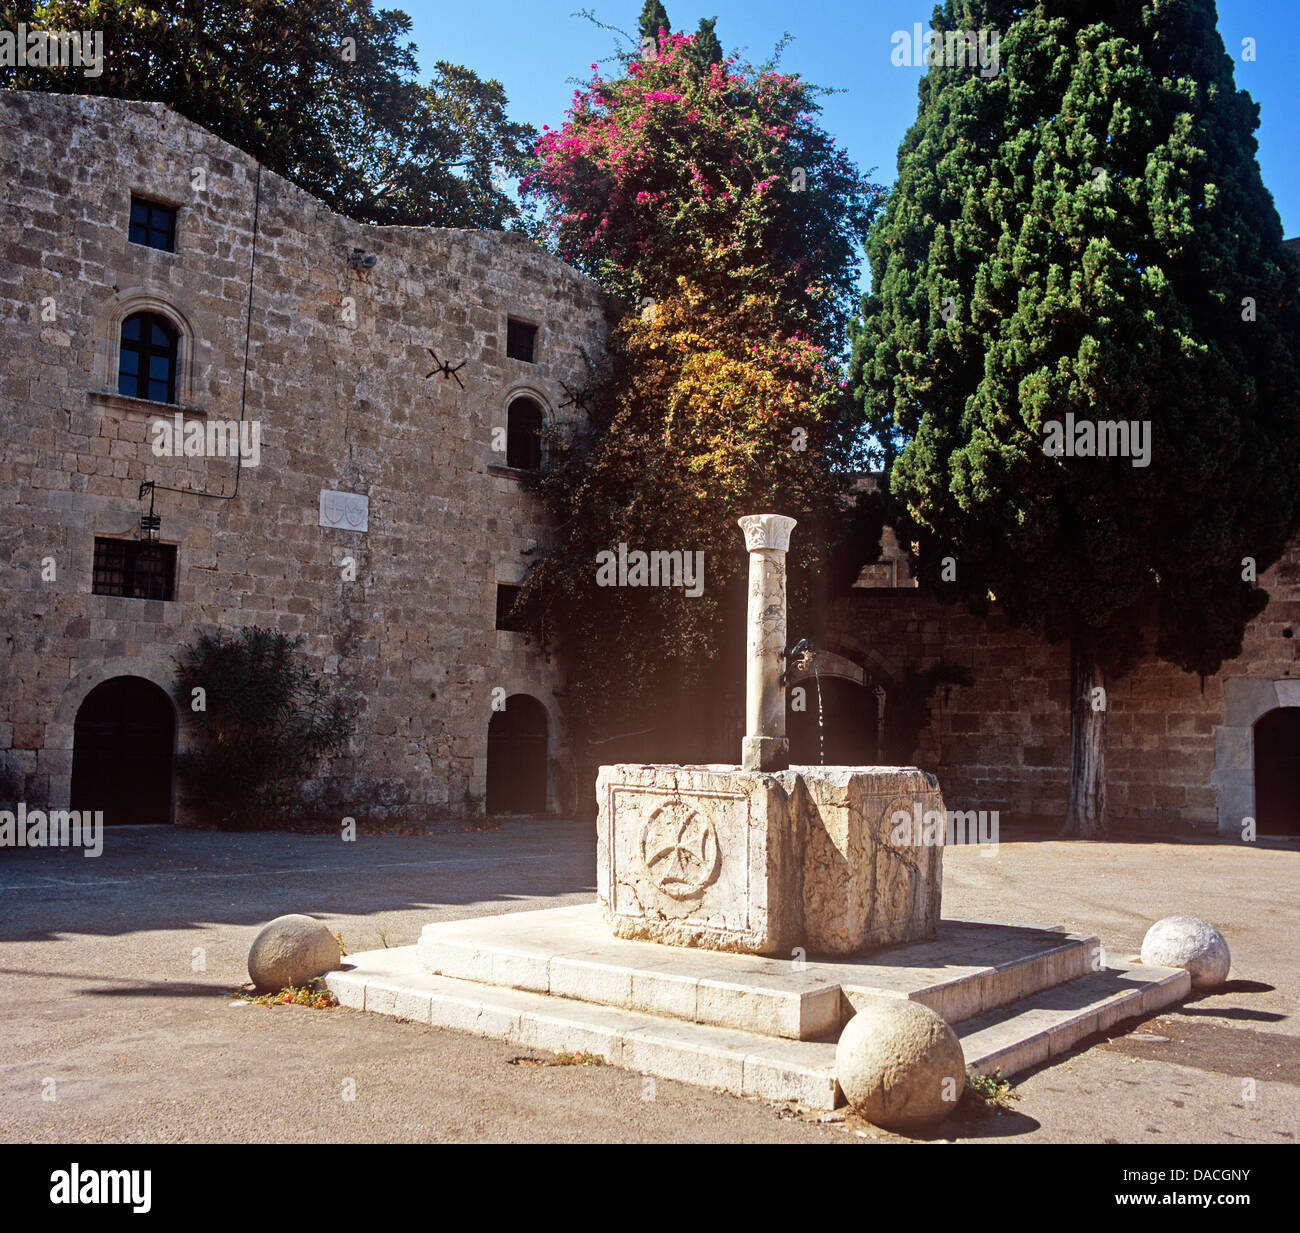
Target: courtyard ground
pixel 117 974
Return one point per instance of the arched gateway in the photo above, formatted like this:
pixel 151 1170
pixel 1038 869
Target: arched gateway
pixel 123 741
pixel 1277 772
pixel 517 757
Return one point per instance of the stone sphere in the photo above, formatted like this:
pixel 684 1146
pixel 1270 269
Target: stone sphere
pixel 1192 943
pixel 900 1065
pixel 290 951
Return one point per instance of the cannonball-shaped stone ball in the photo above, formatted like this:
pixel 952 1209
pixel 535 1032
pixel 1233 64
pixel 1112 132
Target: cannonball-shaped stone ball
pixel 291 950
pixel 900 1065
pixel 1192 943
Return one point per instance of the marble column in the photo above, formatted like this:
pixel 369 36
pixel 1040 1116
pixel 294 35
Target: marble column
pixel 767 537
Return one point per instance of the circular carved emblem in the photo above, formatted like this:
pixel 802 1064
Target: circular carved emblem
pixel 680 850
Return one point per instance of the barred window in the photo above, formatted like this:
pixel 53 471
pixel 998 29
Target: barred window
pixel 152 225
pixel 134 569
pixel 146 363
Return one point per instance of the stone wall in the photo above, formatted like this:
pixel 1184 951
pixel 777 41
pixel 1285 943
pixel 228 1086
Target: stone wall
pixel 337 359
pixel 1179 751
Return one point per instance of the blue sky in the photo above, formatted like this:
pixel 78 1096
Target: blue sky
pixel 535 48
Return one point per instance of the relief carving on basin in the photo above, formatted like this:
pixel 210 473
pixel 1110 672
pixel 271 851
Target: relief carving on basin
pixel 680 850
pixel 695 856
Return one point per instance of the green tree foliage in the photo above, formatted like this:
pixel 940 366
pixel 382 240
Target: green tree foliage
pixel 1086 234
pixel 721 392
pixel 324 92
pixel 266 721
pixel 706 49
pixel 654 18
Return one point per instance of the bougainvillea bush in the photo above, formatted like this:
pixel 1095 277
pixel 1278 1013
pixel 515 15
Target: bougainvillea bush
pixel 726 225
pixel 717 173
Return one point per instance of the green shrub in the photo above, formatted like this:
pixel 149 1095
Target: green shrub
pixel 263 721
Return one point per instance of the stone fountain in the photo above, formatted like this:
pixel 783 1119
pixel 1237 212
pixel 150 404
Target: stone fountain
pixel 764 858
pixel 745 914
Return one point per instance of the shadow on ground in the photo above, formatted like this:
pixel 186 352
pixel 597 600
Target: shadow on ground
pixel 150 878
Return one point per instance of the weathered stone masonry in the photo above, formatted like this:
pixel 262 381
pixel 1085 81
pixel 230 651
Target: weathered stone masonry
pixel 1181 752
pixel 336 378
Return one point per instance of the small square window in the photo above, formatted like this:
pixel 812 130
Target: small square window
pixel 134 569
pixel 507 620
pixel 153 225
pixel 521 341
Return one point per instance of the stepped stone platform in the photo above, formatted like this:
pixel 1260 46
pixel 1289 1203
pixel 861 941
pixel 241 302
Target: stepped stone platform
pixel 1016 995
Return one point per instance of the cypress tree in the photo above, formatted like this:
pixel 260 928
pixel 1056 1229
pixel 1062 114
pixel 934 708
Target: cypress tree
pixel 654 17
pixel 1080 236
pixel 706 49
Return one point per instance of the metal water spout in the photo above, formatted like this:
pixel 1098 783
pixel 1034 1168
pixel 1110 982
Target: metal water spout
pixel 799 658
pixel 802 657
pixel 766 747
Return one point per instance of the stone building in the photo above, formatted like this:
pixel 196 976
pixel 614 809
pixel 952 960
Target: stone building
pixel 396 377
pixel 389 384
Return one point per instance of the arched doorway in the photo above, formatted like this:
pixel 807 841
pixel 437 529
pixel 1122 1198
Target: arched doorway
pixel 849 729
pixel 123 741
pixel 517 753
pixel 1277 772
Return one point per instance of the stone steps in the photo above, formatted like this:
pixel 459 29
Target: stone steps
pixel 742 1063
pixel 1051 1022
pixel 569 953
pixel 742 1060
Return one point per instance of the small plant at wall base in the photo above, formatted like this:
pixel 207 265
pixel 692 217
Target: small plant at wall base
pixel 264 722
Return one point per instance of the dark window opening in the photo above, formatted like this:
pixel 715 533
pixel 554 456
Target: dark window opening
pixel 524 436
pixel 134 569
pixel 521 341
pixel 146 363
pixel 153 225
pixel 506 617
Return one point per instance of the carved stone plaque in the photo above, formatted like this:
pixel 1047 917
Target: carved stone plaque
pixel 345 511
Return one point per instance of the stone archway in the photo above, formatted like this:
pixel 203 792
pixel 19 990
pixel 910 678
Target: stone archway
pixel 60 732
pixel 853 732
pixel 517 758
pixel 1245 702
pixel 124 741
pixel 847 734
pixel 1277 772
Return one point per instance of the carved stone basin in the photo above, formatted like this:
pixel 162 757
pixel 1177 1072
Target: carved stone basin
pixel 767 863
